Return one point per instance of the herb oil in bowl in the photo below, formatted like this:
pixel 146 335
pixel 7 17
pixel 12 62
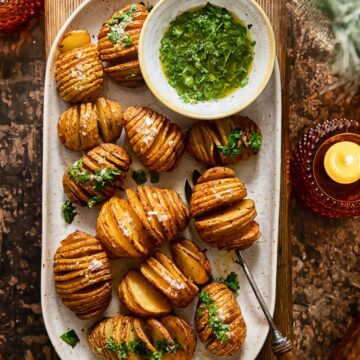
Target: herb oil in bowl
pixel 206 53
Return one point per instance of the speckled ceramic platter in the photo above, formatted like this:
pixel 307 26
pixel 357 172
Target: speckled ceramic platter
pixel 261 175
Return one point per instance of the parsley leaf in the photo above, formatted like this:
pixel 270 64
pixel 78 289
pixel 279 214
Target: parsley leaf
pixel 70 337
pixel 139 176
pixel 255 142
pixel 220 330
pixel 231 281
pixel 94 200
pixel 104 177
pixel 154 177
pixel 78 173
pixel 120 349
pixel 232 148
pixel 68 211
pixel 127 41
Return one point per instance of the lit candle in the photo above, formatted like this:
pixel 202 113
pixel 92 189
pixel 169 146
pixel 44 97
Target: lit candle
pixel 342 162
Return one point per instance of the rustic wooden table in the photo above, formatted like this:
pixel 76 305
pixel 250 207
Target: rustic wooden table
pixel 318 277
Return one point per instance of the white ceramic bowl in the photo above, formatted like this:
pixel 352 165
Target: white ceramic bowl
pixel 264 58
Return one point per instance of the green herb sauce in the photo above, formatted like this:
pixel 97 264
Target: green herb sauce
pixel 206 54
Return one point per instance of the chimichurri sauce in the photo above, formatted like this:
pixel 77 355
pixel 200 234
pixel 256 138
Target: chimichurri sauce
pixel 206 54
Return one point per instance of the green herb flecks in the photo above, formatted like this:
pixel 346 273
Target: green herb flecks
pixel 220 330
pixel 132 75
pixel 117 25
pixel 104 177
pixel 232 148
pixel 78 173
pixel 70 337
pixel 68 211
pixel 165 347
pixel 206 54
pixel 139 176
pixel 94 200
pixel 255 142
pixel 154 177
pixel 231 281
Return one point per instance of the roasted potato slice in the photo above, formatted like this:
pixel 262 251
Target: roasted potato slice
pixel 191 260
pixel 120 51
pixel 161 211
pixel 182 333
pixel 206 139
pixel 82 275
pixel 110 120
pixel 73 40
pixel 165 275
pixel 229 312
pixel 88 181
pixel 157 142
pixel 141 297
pixel 120 230
pixel 78 69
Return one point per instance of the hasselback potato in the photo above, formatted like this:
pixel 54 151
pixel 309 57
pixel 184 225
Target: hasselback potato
pixel 118 42
pixel 161 211
pixel 125 337
pixel 229 335
pixel 81 126
pixel 78 69
pixel 82 275
pixel 224 141
pixel 96 176
pixel 157 142
pixel 223 217
pixel 120 230
pixel 166 276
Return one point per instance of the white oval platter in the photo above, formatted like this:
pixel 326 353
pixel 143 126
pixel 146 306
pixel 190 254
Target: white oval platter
pixel 261 175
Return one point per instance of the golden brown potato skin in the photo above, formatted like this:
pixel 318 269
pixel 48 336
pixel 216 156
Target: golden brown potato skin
pixel 204 137
pixel 223 217
pixel 79 74
pixel 120 230
pixel 126 329
pixel 104 156
pixel 82 275
pixel 230 312
pixel 81 126
pixel 160 271
pixel 122 62
pixel 162 212
pixel 158 143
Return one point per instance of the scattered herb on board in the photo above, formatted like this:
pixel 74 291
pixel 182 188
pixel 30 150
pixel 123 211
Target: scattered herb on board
pixel 231 281
pixel 68 211
pixel 255 142
pixel 117 26
pixel 139 176
pixel 78 173
pixel 206 54
pixel 70 337
pixel 94 200
pixel 154 177
pixel 104 177
pixel 232 148
pixel 219 329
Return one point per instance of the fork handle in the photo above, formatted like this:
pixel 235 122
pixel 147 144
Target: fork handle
pixel 284 351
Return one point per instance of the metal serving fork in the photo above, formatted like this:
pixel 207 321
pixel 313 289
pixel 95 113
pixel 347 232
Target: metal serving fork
pixel 280 344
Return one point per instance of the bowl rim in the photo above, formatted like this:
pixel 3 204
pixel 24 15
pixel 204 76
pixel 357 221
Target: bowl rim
pixel 172 106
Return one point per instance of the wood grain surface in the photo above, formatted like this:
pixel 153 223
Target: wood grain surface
pixel 57 11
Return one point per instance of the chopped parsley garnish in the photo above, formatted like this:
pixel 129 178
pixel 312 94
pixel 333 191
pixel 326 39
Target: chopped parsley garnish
pixel 68 211
pixel 139 176
pixel 206 54
pixel 117 26
pixel 70 337
pixel 154 177
pixel 231 281
pixel 104 177
pixel 94 200
pixel 220 330
pixel 132 75
pixel 255 142
pixel 78 173
pixel 232 148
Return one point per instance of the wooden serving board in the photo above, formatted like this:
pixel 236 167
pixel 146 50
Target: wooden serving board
pixel 57 11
